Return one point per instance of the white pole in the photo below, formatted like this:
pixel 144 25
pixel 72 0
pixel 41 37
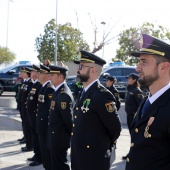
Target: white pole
pixel 55 57
pixel 7 25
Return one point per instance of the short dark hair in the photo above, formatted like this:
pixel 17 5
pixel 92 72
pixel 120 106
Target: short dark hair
pixel 160 59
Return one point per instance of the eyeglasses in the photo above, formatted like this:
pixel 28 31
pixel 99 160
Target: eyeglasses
pixel 80 66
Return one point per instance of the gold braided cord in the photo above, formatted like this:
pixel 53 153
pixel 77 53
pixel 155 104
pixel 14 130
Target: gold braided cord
pixel 153 51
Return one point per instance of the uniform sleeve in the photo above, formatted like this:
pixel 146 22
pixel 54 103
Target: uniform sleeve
pixel 65 107
pixel 107 113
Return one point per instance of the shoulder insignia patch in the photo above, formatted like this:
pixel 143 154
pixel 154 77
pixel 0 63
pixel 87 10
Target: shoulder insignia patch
pixel 109 107
pixel 63 105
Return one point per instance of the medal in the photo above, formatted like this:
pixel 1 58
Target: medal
pixel 146 133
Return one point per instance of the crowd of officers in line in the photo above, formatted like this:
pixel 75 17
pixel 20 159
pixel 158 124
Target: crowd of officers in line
pixel 46 107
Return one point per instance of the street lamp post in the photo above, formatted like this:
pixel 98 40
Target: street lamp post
pixel 56 46
pixel 103 23
pixel 7 23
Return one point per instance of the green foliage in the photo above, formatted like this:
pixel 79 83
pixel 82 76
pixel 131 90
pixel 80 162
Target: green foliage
pixel 129 40
pixel 6 55
pixel 69 42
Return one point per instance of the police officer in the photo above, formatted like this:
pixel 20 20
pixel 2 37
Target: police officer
pixel 110 81
pixel 32 101
pixel 21 72
pixel 44 101
pixel 96 123
pixel 150 129
pixel 133 98
pixel 25 89
pixel 60 119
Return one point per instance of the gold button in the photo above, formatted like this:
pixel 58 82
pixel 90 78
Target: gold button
pixel 73 125
pixel 72 134
pixel 77 108
pixel 52 132
pixel 75 117
pixel 41 119
pixel 132 144
pixel 84 112
pixel 88 146
pixel 127 160
pixel 136 130
pixel 149 136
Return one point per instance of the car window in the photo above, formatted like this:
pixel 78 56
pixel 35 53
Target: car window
pixel 127 71
pixel 16 69
pixel 115 71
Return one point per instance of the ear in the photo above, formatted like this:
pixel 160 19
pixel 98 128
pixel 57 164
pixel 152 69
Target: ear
pixel 164 66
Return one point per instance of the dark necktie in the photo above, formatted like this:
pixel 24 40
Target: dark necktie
pixel 82 93
pixel 145 107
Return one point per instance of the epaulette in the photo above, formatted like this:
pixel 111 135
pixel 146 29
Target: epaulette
pixel 101 88
pixel 49 85
pixel 62 90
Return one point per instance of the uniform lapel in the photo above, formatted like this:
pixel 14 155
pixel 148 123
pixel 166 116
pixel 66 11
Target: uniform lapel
pixel 153 109
pixel 87 93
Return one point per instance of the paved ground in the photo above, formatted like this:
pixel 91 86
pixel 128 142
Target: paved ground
pixel 11 157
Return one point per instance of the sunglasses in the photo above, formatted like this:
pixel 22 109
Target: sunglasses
pixel 80 66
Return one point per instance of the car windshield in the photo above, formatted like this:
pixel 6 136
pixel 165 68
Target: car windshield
pixel 4 70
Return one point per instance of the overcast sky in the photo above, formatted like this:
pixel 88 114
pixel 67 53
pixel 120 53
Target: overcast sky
pixel 27 19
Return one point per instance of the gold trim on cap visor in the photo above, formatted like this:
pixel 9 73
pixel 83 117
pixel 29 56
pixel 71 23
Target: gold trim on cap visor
pixel 34 69
pixel 44 70
pixel 27 71
pixel 85 59
pixel 153 51
pixel 54 71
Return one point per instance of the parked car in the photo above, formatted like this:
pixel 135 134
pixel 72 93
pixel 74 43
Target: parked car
pixel 8 76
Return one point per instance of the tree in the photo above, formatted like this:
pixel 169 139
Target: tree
pixel 6 55
pixel 106 35
pixel 69 42
pixel 130 40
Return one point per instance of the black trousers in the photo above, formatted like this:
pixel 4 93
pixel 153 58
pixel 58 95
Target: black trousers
pixel 45 151
pixel 36 145
pixel 59 159
pixel 26 127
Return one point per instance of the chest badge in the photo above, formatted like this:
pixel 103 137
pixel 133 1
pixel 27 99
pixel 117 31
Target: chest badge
pixel 52 105
pixel 85 106
pixel 63 105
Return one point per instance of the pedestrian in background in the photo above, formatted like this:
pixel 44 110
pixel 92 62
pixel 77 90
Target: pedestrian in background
pixel 60 119
pixel 96 124
pixel 150 129
pixel 110 85
pixel 44 102
pixel 133 99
